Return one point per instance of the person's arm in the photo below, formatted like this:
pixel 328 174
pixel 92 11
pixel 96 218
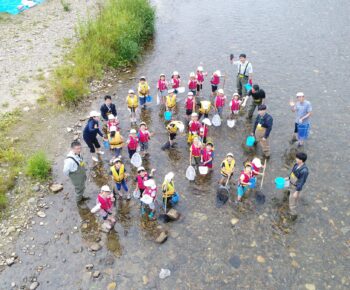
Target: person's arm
pixel 309 112
pixel 114 109
pixel 250 73
pixel 269 123
pixel 242 182
pixel 263 97
pixel 104 112
pixel 98 130
pixel 255 125
pixel 302 179
pixel 68 166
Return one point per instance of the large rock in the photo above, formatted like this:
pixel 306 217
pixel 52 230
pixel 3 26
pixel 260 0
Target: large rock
pixel 56 187
pixel 34 285
pixel 161 238
pixel 95 247
pixel 173 214
pixel 41 214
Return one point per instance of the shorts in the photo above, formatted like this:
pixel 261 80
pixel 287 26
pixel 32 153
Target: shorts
pixel 189 112
pixel 132 110
pixel 172 136
pixel 214 88
pixel 199 87
pixel 164 93
pixel 131 152
pixel 241 190
pixel 144 146
pixel 142 100
pixel 122 184
pixel 197 160
pixel 194 92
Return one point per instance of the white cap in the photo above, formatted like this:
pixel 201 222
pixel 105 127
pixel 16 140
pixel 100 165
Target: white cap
pixel 116 160
pixel 218 73
pixel 150 183
pixel 236 94
pixel 175 73
pixel 190 94
pixel 131 92
pixel 300 94
pixel 105 188
pixel 257 162
pixel 143 77
pixel 229 154
pixel 220 91
pixel 194 114
pixel 192 75
pixel 171 91
pixel 113 129
pixel 205 104
pixel 200 68
pixel 162 75
pixel 111 117
pixel 169 177
pixel 132 131
pixel 141 168
pixel 95 114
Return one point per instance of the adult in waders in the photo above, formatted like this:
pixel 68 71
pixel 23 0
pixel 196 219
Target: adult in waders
pixel 244 74
pixel 90 134
pixel 74 167
pixel 303 111
pixel 262 129
pixel 227 168
pixel 297 179
pixel 258 98
pixel 170 196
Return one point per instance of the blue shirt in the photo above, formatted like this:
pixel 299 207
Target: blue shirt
pixel 301 110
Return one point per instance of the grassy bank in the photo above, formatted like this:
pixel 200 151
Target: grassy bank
pixel 114 39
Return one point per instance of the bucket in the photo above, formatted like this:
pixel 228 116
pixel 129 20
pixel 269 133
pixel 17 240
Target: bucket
pixel 167 115
pixel 203 170
pixel 279 182
pixel 252 182
pixel 303 131
pixel 106 144
pixel 250 141
pixel 149 99
pixel 248 87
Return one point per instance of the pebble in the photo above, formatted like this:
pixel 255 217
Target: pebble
pixel 161 238
pixel 310 286
pixel 95 247
pixel 13 285
pixel 260 259
pixel 89 266
pixel 11 230
pixel 10 261
pixel 34 285
pixel 41 214
pixel 234 221
pixel 164 273
pixel 144 280
pixel 36 188
pixel 56 187
pixel 112 286
pixel 69 129
pixel 235 261
pixel 96 274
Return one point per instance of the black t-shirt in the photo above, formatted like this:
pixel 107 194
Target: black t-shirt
pixel 257 96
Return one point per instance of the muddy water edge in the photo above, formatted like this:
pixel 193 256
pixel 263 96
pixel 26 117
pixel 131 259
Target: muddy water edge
pixel 204 251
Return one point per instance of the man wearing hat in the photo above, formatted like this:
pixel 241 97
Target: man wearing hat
pixel 244 74
pixel 74 167
pixel 262 129
pixel 90 134
pixel 303 111
pixel 108 108
pixel 258 98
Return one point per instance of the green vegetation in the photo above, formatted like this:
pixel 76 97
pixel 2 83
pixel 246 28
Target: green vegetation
pixel 10 160
pixel 114 39
pixel 38 166
pixel 65 5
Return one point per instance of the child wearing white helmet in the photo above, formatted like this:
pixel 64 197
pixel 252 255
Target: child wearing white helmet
pixel 175 81
pixel 200 79
pixel 133 143
pixel 170 100
pixel 143 90
pixel 170 196
pixel 104 202
pixel 112 121
pixel 220 101
pixel 148 198
pixel 215 82
pixel 190 105
pixel 227 168
pixel 162 87
pixel 116 141
pixel 132 103
pixel 192 83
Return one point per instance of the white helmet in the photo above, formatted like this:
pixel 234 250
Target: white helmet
pixel 257 162
pixel 192 75
pixel 175 73
pixel 105 188
pixel 190 94
pixel 220 91
pixel 229 154
pixel 111 117
pixel 132 131
pixel 194 114
pixel 94 114
pixel 218 73
pixel 200 68
pixel 113 129
pixel 131 91
pixel 300 94
pixel 169 177
pixel 141 168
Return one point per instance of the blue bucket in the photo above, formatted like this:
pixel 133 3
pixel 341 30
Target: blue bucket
pixel 248 87
pixel 252 182
pixel 303 131
pixel 280 181
pixel 106 144
pixel 175 198
pixel 149 99
pixel 167 115
pixel 250 141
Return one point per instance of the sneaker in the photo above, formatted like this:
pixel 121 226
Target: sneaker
pixel 84 198
pixel 100 152
pixel 94 159
pixel 128 197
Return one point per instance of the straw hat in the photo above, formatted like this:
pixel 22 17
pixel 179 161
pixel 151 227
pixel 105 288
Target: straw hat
pixel 105 188
pixel 94 114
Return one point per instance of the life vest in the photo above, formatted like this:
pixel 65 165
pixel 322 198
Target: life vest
pixel 116 141
pixel 133 143
pixel 175 82
pixel 113 123
pixel 162 85
pixel 196 151
pixel 192 84
pixel 133 102
pixel 189 104
pixel 106 203
pixel 172 129
pixel 207 154
pixel 254 168
pixel 143 88
pixel 235 105
pixel 169 189
pixel 245 179
pixel 228 167
pixel 202 109
pixel 194 126
pixel 143 136
pixel 171 101
pixel 200 77
pixel 215 80
pixel 141 180
pixel 118 177
pixel 220 101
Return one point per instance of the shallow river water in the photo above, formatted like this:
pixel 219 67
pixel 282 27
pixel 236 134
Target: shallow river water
pixel 293 46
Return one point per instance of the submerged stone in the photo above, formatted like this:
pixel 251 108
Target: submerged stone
pixel 235 261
